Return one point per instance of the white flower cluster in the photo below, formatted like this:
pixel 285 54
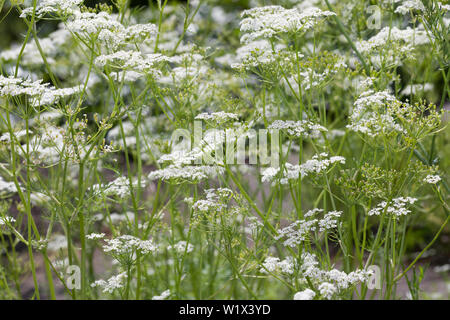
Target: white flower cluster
pixel 137 32
pixel 177 75
pixel 310 78
pixel 95 236
pixel 396 207
pixel 444 7
pixel 207 205
pixel 201 152
pixel 128 245
pixel 268 21
pixel 113 283
pixel 7 187
pixel 40 94
pixel 259 53
pixel 218 117
pixel 193 174
pixel 51 144
pixel 132 60
pixel 432 179
pixel 214 200
pixel 372 114
pixel 207 151
pixel 274 265
pixel 43 7
pixel 120 187
pixel 306 294
pixel 191 67
pixel 327 290
pixel 406 39
pixel 164 295
pixel 108 30
pixel 6 137
pixel 181 247
pixel 300 230
pixel 330 282
pixel 50 46
pixel 5 220
pixel 302 128
pixel 318 164
pixel 407 6
pixel 254 224
pixel 369 98
pixel 61 264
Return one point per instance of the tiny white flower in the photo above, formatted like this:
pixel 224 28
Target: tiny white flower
pixel 432 179
pixel 95 236
pixel 306 294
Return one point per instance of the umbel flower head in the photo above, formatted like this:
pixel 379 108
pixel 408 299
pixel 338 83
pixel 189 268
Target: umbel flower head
pixel 432 179
pixel 300 230
pixel 381 114
pixel 44 7
pixel 397 207
pixel 405 40
pixel 179 174
pixel 317 165
pixel 265 22
pixel 303 128
pixel 327 284
pixel 113 283
pixel 39 93
pixel 124 248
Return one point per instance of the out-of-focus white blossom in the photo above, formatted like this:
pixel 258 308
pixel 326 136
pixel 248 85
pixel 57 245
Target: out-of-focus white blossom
pixel 306 294
pixel 163 296
pixel 181 247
